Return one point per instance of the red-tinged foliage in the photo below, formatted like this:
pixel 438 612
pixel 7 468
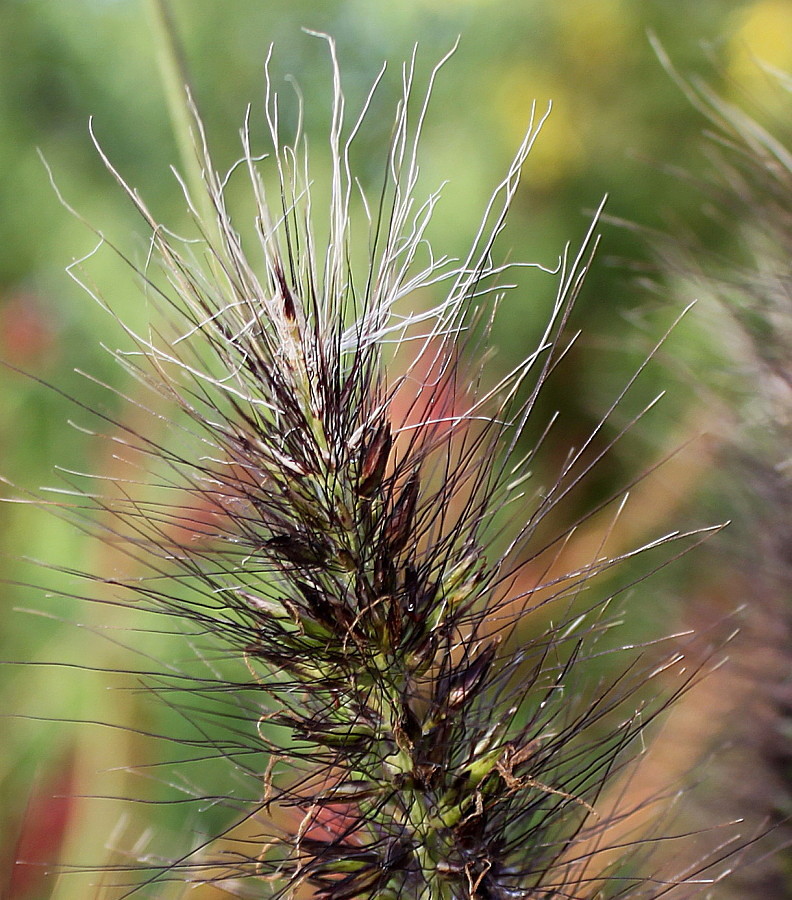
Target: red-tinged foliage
pixel 28 336
pixel 42 833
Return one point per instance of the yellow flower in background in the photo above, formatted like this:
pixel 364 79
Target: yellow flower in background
pixel 559 150
pixel 762 35
pixel 592 41
pixel 596 35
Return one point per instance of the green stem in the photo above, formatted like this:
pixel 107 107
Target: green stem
pixel 431 844
pixel 177 89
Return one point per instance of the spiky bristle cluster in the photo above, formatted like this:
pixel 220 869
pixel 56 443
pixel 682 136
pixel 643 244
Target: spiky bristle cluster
pixel 339 530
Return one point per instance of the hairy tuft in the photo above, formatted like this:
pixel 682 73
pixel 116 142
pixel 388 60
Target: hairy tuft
pixel 338 510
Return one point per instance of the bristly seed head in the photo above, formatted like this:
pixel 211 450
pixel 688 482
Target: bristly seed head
pixel 348 561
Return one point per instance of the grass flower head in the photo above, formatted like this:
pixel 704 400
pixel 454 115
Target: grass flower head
pixel 340 527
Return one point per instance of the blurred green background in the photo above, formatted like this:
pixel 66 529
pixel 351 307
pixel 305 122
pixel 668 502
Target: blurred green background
pixel 619 126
